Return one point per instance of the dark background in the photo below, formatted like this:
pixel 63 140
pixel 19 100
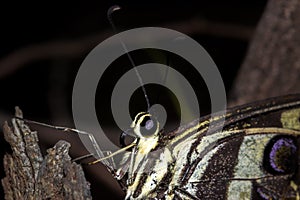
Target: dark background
pixel 43 45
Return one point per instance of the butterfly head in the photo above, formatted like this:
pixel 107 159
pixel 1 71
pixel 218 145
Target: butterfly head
pixel 145 125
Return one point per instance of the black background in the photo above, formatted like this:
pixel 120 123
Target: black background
pixel 43 87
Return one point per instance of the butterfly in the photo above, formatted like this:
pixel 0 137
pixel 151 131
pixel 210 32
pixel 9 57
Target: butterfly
pixel 254 156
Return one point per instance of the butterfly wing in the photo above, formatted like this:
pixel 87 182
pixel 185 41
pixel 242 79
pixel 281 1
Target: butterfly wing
pixel 255 156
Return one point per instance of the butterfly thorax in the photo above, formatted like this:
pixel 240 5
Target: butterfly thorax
pixel 150 163
pixel 149 172
pixel 145 145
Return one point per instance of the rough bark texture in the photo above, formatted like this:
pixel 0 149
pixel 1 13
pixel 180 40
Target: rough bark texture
pixel 30 176
pixel 272 65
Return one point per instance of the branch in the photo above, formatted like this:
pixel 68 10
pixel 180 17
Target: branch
pixel 30 176
pixel 272 65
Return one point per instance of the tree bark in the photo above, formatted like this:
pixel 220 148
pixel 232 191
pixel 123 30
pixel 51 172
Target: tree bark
pixel 29 175
pixel 272 65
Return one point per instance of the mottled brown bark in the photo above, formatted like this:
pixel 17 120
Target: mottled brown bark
pixel 272 65
pixel 29 175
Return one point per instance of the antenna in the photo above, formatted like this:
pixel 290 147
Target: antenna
pixel 109 17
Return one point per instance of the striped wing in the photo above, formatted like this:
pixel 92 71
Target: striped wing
pixel 255 156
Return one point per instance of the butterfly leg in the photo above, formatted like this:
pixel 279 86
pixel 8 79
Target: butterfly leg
pixel 80 158
pixel 130 172
pixel 91 137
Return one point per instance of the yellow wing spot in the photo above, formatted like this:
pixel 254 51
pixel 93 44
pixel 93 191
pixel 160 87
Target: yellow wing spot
pixel 291 119
pixel 246 125
pixel 295 187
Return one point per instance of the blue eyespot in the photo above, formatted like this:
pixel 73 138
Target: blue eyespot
pixel 280 155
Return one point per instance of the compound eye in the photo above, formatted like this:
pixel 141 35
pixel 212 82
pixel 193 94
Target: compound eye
pixel 147 122
pixel 148 126
pixel 280 155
